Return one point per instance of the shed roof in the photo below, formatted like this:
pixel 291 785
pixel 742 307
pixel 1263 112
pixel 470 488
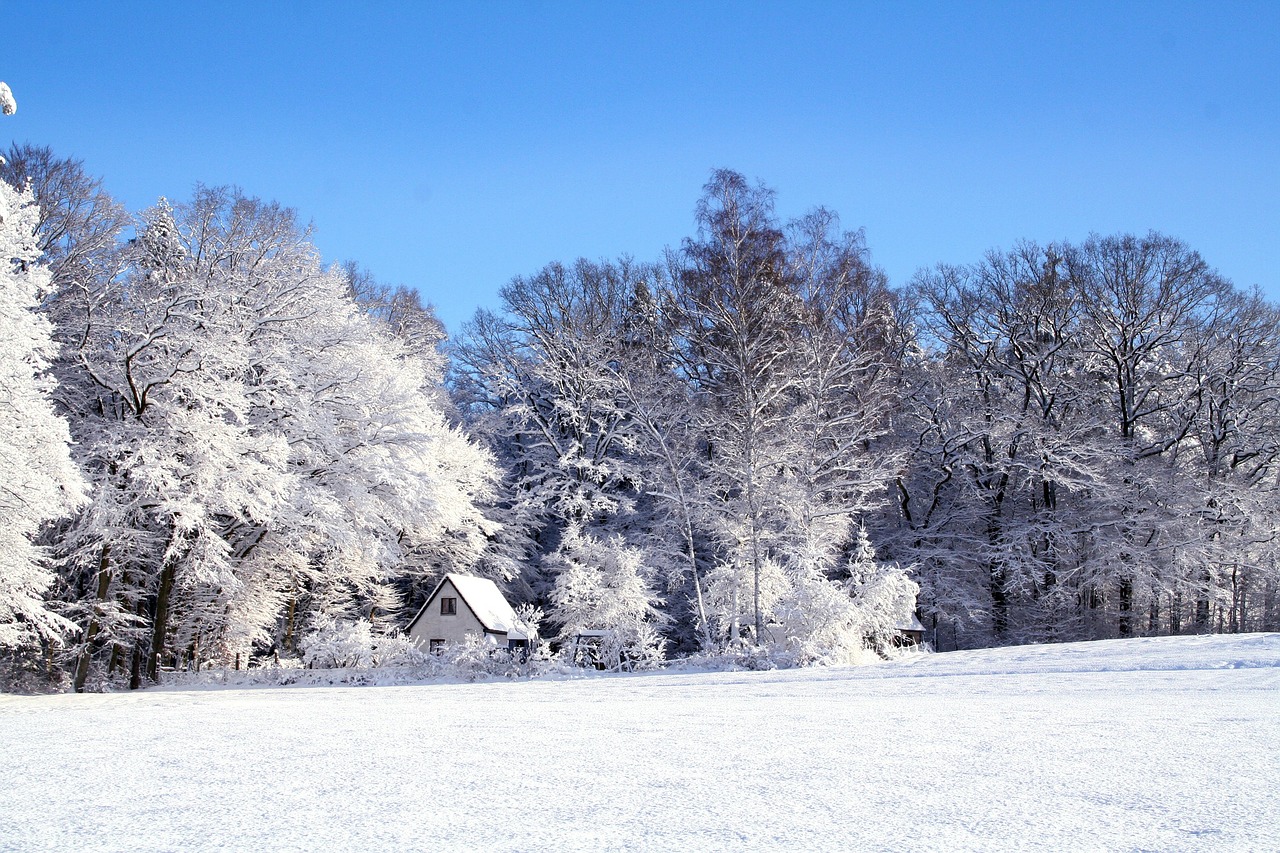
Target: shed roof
pixel 911 624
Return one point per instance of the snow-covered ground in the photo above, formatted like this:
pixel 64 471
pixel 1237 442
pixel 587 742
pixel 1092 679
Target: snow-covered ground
pixel 1156 744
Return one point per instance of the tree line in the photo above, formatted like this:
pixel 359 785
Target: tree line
pixel 754 445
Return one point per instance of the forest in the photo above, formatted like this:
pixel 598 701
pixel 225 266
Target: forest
pixel 217 448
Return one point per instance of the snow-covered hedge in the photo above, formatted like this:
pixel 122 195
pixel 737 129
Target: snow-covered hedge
pixel 351 653
pixel 779 657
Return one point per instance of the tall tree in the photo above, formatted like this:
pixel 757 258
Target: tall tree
pixel 1020 436
pixel 739 316
pixel 543 383
pixel 38 482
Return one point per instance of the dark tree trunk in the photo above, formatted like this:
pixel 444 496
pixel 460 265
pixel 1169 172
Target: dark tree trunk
pixel 86 654
pixel 999 604
pixel 135 668
pixel 1126 607
pixel 1203 611
pixel 160 623
pixel 1269 608
pixel 288 628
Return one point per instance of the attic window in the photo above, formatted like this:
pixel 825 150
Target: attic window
pixel 448 606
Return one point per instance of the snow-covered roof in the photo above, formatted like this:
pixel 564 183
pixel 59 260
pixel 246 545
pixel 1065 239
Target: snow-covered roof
pixel 912 624
pixel 486 601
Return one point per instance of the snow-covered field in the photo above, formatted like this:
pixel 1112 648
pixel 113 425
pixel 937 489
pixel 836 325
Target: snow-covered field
pixel 1161 744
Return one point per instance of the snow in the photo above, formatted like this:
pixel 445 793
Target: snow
pixel 1168 744
pixel 8 105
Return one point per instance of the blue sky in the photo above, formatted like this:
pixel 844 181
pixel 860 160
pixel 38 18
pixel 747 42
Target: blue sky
pixel 452 146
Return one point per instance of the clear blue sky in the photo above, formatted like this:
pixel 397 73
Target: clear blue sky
pixel 452 146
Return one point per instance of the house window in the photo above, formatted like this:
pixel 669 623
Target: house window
pixel 448 606
pixel 435 646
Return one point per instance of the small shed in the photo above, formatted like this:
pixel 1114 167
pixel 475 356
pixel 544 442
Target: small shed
pixel 463 606
pixel 910 633
pixel 586 648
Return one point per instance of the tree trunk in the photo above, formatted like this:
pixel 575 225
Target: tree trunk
pixel 86 653
pixel 1126 607
pixel 288 627
pixel 1233 624
pixel 735 627
pixel 752 508
pixel 1269 608
pixel 1203 611
pixel 755 588
pixel 161 622
pixel 135 668
pixel 996 579
pixel 999 604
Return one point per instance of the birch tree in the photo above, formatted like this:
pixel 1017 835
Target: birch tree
pixel 738 319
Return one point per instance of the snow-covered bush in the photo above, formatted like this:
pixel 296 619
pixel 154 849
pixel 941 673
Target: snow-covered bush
pixel 474 659
pixel 742 656
pixel 630 649
pixel 391 660
pixel 819 621
pixel 341 644
pixel 604 586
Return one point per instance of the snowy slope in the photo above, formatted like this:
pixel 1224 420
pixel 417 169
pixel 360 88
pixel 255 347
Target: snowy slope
pixel 1164 744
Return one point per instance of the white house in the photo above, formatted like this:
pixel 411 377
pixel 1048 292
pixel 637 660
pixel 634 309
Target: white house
pixel 465 605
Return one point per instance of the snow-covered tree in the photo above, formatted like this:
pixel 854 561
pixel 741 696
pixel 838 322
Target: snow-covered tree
pixel 787 343
pixel 1008 442
pixel 542 383
pixel 78 228
pixel 1148 305
pixel 38 481
pixel 721 414
pixel 854 620
pixel 1077 423
pixel 739 320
